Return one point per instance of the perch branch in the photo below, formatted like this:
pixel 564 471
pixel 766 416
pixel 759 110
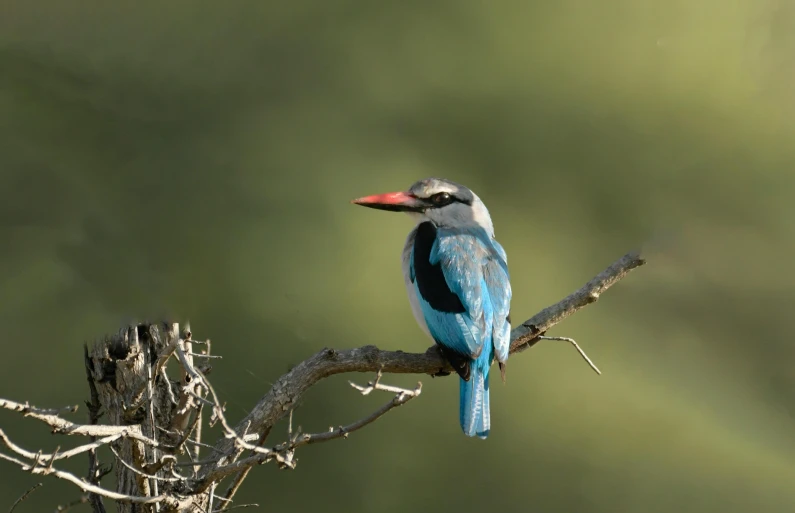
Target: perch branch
pixel 284 453
pixel 529 332
pixel 200 491
pixel 287 390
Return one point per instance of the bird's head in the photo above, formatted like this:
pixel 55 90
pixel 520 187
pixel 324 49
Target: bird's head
pixel 440 201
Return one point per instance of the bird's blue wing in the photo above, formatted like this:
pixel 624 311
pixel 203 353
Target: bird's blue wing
pixel 474 273
pixel 460 257
pixel 498 282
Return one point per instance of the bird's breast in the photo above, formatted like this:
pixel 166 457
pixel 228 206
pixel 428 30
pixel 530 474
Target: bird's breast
pixel 408 278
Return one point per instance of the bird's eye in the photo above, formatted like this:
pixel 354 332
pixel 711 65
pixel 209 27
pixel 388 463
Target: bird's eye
pixel 441 199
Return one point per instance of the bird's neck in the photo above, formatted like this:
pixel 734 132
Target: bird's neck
pixel 473 229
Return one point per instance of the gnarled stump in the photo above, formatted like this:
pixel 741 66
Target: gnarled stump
pixel 129 382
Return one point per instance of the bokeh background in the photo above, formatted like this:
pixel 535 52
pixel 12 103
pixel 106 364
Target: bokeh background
pixel 195 159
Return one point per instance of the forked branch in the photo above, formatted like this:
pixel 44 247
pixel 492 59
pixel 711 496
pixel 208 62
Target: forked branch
pixel 153 423
pixel 288 389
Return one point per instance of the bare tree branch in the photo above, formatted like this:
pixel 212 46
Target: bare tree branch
pixel 284 453
pixel 527 334
pixel 47 458
pixel 284 394
pixel 154 424
pixel 85 486
pixel 243 474
pixel 65 427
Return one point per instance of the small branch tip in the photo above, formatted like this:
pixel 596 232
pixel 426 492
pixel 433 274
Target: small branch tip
pixel 578 348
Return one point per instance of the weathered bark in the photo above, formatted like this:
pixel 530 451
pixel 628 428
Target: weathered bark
pixel 132 390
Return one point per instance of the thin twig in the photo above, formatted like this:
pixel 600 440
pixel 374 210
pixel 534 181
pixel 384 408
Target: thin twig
pixel 577 347
pixel 222 468
pixel 285 455
pixel 189 440
pixel 192 462
pixel 196 427
pixel 24 496
pixel 169 390
pixel 173 341
pixel 151 410
pixel 88 487
pixel 65 427
pixel 403 396
pixel 202 444
pixel 165 460
pixel 212 497
pixel 66 507
pixel 241 476
pixel 141 473
pixel 183 353
pixel 50 458
pixel 195 424
pixel 239 506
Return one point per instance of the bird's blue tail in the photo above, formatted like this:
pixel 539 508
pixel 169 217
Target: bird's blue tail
pixel 474 410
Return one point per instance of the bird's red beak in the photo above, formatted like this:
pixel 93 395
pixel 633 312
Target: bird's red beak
pixel 392 201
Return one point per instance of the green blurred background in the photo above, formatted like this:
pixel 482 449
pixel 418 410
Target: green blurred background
pixel 196 159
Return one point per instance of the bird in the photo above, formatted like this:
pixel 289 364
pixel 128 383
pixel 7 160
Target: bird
pixel 456 276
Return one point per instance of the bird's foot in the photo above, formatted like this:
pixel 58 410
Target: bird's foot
pixel 438 350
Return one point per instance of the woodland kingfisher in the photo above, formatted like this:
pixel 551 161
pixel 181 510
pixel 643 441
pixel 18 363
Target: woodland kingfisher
pixel 456 275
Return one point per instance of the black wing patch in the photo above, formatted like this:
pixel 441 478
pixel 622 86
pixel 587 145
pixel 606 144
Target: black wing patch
pixel 430 278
